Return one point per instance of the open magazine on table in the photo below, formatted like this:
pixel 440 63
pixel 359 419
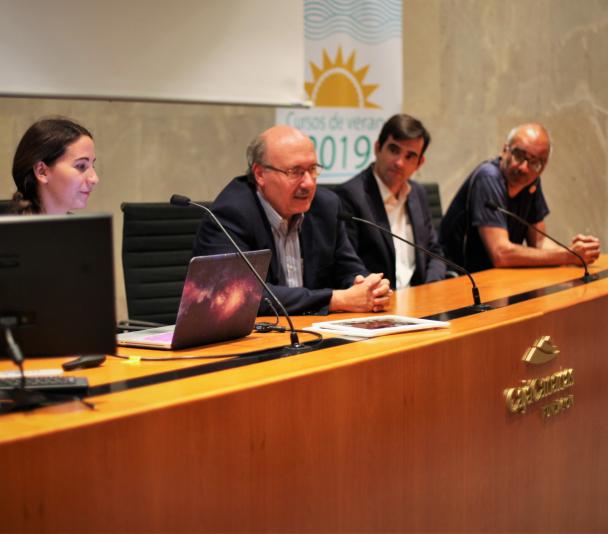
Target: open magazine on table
pixel 376 325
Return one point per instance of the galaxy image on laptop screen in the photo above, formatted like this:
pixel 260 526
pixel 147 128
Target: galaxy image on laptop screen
pixel 224 299
pixel 221 296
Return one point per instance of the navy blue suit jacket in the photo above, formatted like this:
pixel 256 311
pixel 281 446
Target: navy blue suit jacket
pixel 328 256
pixel 361 197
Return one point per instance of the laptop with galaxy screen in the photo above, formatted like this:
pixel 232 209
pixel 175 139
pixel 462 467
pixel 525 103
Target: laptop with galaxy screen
pixel 219 301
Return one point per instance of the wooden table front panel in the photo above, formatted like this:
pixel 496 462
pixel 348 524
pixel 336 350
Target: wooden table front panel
pixel 416 440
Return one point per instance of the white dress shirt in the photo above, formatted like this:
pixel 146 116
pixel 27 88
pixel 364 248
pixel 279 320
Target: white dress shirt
pixel 405 256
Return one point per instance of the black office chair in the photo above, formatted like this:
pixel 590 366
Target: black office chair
pixel 156 248
pixel 434 200
pixel 5 206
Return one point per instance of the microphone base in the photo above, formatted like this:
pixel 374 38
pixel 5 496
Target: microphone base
pixel 479 307
pixel 590 278
pixel 296 348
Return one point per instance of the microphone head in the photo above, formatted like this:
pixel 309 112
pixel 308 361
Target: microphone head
pixel 491 205
pixel 179 200
pixel 345 216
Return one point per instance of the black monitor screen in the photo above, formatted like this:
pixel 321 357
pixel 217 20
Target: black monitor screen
pixel 57 280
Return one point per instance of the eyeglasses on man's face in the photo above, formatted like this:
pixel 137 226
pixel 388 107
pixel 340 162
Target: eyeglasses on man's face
pixel 297 173
pixel 534 164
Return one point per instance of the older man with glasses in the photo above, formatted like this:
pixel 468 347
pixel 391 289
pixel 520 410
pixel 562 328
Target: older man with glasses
pixel 277 206
pixel 477 236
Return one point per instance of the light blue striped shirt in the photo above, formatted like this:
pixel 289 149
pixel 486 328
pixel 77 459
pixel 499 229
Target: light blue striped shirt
pixel 286 236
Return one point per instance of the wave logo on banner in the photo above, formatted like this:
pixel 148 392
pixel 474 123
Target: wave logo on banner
pixel 354 80
pixel 369 22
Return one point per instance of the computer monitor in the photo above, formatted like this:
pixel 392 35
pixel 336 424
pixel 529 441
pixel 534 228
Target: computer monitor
pixel 57 280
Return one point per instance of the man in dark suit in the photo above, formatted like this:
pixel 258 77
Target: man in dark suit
pixel 314 268
pixel 384 194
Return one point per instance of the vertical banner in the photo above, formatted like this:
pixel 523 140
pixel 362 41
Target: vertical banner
pixel 353 79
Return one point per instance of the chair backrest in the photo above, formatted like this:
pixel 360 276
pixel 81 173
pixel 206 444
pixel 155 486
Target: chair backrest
pixel 434 200
pixel 156 249
pixel 5 206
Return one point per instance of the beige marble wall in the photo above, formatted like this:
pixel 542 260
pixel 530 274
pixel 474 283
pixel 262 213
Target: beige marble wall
pixel 473 68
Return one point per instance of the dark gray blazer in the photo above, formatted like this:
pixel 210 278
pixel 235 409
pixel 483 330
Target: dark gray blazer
pixel 361 197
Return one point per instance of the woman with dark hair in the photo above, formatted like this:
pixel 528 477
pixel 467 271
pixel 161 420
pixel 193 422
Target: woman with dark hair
pixel 53 168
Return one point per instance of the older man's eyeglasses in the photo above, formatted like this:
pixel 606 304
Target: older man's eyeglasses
pixel 534 164
pixel 297 173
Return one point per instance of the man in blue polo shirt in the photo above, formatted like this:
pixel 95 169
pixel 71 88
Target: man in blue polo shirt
pixel 477 237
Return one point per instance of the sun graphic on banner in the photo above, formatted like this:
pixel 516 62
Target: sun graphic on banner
pixel 339 84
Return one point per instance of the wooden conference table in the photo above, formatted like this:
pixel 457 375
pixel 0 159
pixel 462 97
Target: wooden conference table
pixel 411 432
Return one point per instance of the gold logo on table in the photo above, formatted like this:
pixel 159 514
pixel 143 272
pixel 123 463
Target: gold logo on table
pixel 533 390
pixel 542 351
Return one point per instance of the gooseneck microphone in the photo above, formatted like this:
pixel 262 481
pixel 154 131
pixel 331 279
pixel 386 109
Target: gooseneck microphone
pixel 14 351
pixel 477 305
pixel 296 346
pixel 494 207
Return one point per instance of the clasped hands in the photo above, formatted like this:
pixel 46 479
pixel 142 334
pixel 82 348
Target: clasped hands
pixel 371 293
